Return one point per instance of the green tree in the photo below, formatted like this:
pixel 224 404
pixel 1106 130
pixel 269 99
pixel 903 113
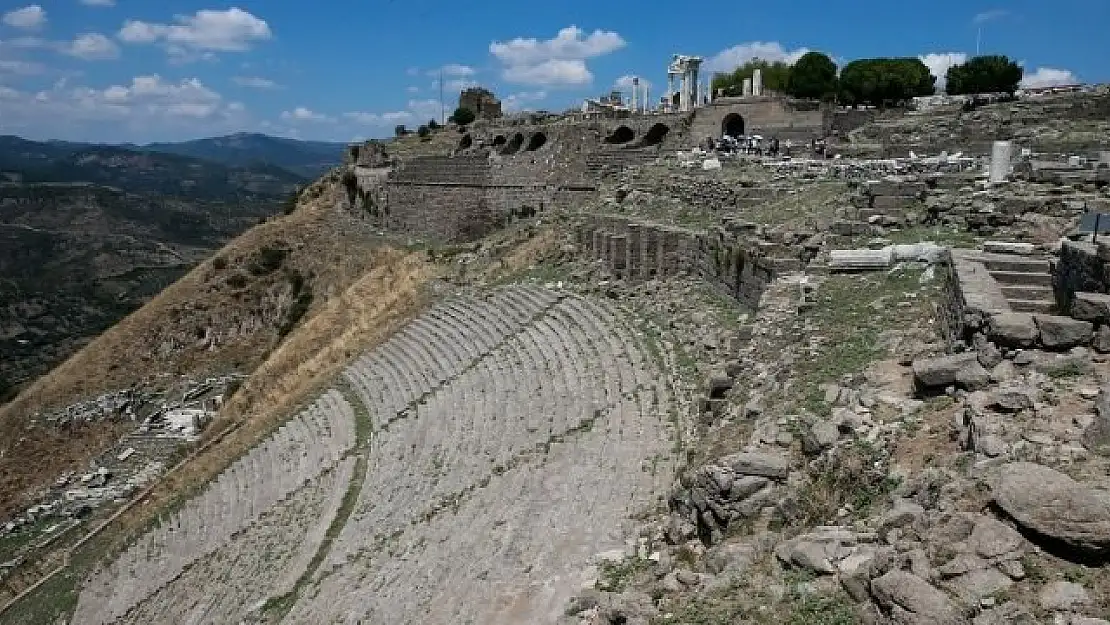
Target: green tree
pixel 813 76
pixel 885 82
pixel 776 77
pixel 423 132
pixel 984 74
pixel 463 116
pixel 433 124
pixel 400 130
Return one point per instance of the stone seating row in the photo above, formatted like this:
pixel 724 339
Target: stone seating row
pixel 299 451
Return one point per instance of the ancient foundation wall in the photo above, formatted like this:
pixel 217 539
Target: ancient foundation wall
pixel 633 250
pixel 1083 267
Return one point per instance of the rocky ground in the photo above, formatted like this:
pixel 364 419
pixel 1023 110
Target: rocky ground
pixel 831 456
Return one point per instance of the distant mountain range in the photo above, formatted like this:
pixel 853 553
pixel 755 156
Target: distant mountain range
pixel 90 232
pixel 306 159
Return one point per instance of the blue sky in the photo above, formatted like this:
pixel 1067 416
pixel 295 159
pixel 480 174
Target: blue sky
pixel 144 70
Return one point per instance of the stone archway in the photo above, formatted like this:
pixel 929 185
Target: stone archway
pixel 622 134
pixel 655 135
pixel 466 141
pixel 535 142
pixel 499 141
pixel 733 125
pixel 513 146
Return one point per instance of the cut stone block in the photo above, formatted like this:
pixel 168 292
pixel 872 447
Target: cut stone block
pixel 1013 329
pixel 1007 247
pixel 1094 307
pixel 847 260
pixel 1063 332
pixel 942 371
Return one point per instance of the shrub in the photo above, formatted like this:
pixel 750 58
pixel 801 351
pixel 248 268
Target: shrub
pixel 463 116
pixel 267 260
pixel 984 74
pixel 399 130
pixel 813 76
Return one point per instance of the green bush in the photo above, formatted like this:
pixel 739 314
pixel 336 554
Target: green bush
pixel 984 74
pixel 463 116
pixel 885 82
pixel 267 260
pixel 813 76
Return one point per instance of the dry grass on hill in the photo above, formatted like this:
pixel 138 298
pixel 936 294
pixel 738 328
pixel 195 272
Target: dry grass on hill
pixel 229 313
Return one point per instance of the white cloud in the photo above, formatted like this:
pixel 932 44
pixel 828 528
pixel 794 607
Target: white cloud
pixel 553 72
pixel 256 82
pixel 304 114
pixel 147 107
pixel 416 112
pixel 731 58
pixel 99 3
pixel 454 85
pixel 625 82
pixel 989 16
pixel 92 47
pixel 21 68
pixel 233 30
pixel 938 64
pixel 1049 77
pixel 522 100
pixel 453 69
pixel 560 61
pixel 28 18
pixel 413 89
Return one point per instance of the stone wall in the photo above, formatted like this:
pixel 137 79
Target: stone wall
pixel 635 250
pixel 1083 267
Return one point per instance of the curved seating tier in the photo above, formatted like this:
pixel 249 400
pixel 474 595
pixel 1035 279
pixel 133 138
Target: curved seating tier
pixel 518 467
pixel 298 452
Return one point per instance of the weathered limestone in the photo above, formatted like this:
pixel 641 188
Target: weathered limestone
pixel 1056 507
pixel 1000 161
pixel 943 371
pixel 1062 332
pixel 849 260
pixel 1013 329
pixel 912 600
pixel 1093 307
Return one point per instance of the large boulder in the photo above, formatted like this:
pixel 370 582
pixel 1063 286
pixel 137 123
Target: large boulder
pixel 942 371
pixel 764 464
pixel 1063 332
pixel 1094 307
pixel 1012 329
pixel 1054 506
pixel 911 600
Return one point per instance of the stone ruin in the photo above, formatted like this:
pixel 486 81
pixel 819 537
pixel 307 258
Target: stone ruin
pixel 481 102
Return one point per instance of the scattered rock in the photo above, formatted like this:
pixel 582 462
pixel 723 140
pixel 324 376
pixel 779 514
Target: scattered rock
pixel 942 371
pixel 1054 506
pixel 765 464
pixel 912 600
pixel 819 436
pixel 1063 332
pixel 1094 307
pixel 973 377
pixel 1012 400
pixel 992 538
pixel 1064 596
pixel 1013 329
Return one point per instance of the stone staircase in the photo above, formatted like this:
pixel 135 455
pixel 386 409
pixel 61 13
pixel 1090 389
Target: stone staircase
pixel 1026 281
pixel 610 162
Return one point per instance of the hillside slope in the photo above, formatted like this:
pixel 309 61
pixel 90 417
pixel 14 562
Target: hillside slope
pixel 91 233
pixel 227 314
pixel 306 158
